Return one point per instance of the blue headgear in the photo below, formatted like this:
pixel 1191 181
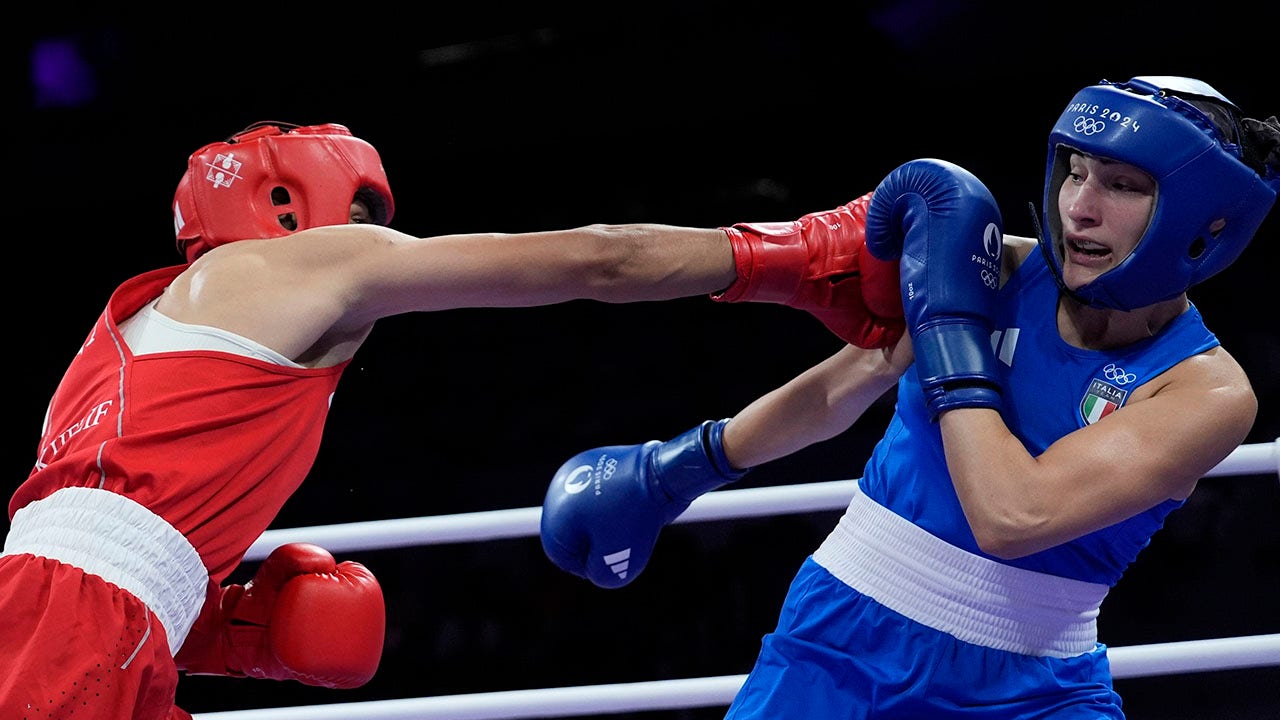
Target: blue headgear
pixel 1199 176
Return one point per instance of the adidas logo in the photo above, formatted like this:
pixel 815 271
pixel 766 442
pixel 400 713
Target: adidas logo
pixel 619 562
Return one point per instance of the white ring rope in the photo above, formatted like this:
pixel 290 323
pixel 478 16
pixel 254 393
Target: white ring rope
pixel 1135 661
pixel 1126 662
pixel 1262 458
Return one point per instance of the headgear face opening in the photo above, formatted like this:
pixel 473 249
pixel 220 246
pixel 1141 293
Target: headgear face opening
pixel 272 179
pixel 1199 176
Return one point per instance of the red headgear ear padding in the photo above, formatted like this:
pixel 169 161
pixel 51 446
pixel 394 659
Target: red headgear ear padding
pixel 273 179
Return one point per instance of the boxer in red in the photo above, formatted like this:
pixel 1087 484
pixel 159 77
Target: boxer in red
pixel 196 404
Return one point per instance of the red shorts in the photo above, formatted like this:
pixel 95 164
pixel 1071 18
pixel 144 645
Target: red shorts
pixel 76 647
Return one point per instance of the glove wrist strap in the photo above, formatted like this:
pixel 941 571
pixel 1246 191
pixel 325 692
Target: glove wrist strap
pixel 693 463
pixel 771 259
pixel 957 366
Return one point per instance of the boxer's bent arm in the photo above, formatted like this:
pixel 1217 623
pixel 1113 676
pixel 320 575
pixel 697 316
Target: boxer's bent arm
pixel 1173 430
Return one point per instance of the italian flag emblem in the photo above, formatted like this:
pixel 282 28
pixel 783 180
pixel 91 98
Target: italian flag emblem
pixel 1101 400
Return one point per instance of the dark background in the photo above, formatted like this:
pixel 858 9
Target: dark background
pixel 502 117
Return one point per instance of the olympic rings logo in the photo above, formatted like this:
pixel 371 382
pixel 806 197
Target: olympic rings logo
pixel 990 279
pixel 1117 375
pixel 581 477
pixel 610 467
pixel 1089 126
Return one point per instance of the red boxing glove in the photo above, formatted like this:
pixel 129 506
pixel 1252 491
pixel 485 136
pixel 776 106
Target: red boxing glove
pixel 820 264
pixel 303 617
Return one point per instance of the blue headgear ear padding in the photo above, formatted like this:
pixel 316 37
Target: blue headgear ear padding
pixel 1199 176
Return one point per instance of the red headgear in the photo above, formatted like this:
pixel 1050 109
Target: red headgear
pixel 273 179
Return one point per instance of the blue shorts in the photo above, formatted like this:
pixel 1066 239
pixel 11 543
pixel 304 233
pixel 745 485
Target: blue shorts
pixel 839 654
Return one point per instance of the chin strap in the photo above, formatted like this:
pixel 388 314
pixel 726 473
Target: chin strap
pixel 1055 267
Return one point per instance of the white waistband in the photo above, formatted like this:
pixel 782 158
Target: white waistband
pixel 109 535
pixel 891 560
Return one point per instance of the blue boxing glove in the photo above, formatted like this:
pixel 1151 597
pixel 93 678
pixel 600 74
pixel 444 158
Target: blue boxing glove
pixel 945 227
pixel 605 506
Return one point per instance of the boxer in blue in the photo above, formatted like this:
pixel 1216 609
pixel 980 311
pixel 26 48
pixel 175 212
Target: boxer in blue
pixel 1053 408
